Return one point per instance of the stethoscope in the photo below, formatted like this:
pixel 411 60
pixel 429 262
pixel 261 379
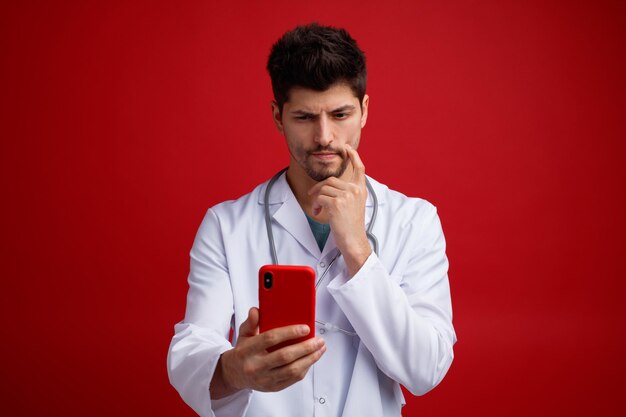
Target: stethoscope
pixel 270 237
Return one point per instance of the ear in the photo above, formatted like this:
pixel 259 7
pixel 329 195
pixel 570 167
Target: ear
pixel 366 102
pixel 276 116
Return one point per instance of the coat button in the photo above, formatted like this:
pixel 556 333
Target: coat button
pixel 322 400
pixel 322 264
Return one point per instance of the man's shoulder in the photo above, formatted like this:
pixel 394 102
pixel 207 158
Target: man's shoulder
pixel 396 200
pixel 234 207
pixel 407 213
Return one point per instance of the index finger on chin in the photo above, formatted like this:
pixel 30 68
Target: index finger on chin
pixel 357 163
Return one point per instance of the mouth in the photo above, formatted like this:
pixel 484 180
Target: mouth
pixel 324 156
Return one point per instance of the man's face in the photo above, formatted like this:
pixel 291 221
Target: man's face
pixel 318 125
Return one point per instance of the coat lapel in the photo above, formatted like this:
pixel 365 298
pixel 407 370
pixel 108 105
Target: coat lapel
pixel 287 214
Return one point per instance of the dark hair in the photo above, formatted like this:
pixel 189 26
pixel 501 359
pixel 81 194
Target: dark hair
pixel 316 57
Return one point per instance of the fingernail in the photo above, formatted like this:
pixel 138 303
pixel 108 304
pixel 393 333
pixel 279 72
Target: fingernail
pixel 303 330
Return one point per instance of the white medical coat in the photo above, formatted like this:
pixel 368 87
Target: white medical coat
pixel 398 304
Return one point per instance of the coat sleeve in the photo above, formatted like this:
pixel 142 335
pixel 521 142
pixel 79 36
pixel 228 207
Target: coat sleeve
pixel 202 336
pixel 405 321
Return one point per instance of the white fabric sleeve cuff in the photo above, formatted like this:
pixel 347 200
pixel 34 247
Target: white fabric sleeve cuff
pixel 192 359
pixel 343 279
pixel 233 405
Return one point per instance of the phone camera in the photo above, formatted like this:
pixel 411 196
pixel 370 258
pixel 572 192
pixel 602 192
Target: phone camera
pixel 268 280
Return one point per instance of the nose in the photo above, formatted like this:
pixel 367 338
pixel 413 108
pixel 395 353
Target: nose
pixel 324 133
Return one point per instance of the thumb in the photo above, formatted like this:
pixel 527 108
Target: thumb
pixel 250 327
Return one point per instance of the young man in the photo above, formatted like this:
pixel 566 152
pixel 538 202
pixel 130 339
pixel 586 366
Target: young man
pixel 385 317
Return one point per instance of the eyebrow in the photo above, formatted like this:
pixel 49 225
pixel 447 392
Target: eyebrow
pixel 344 108
pixel 340 109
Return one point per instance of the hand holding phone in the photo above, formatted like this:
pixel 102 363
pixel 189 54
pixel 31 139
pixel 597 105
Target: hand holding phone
pixel 249 365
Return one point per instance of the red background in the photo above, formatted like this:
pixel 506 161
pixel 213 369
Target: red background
pixel 121 123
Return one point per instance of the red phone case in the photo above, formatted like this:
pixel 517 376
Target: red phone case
pixel 290 300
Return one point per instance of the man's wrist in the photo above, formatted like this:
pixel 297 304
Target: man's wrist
pixel 221 385
pixel 356 257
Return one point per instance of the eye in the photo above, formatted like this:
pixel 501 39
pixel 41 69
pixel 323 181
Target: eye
pixel 341 115
pixel 304 117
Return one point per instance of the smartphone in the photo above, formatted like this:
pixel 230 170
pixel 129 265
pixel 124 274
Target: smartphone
pixel 286 297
